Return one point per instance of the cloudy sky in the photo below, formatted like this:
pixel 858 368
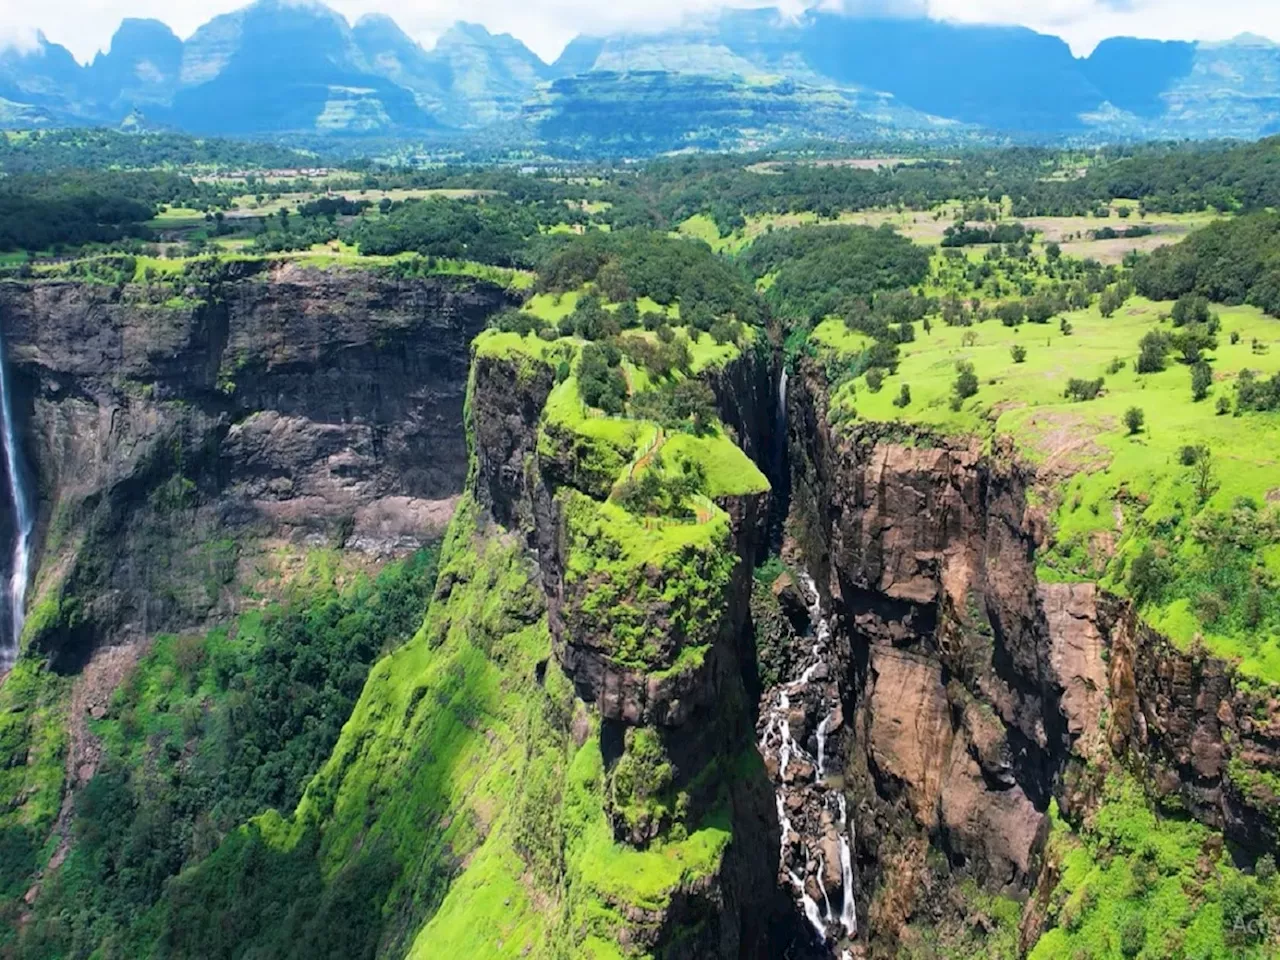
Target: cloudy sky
pixel 85 26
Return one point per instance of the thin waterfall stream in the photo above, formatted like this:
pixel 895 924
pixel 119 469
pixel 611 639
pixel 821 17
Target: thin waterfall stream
pixel 816 855
pixel 23 522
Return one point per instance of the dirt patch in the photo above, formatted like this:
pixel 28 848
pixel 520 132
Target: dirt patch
pixel 90 700
pixel 1064 443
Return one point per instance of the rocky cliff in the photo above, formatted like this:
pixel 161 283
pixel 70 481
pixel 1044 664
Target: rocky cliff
pixel 655 637
pixel 259 406
pixel 977 694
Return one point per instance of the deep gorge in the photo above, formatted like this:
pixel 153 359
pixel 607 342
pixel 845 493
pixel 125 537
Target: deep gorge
pixel 956 698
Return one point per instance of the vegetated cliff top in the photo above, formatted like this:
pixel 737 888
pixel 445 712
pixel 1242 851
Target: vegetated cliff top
pixel 1171 512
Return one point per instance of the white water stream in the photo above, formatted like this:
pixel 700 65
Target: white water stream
pixel 23 523
pixel 816 796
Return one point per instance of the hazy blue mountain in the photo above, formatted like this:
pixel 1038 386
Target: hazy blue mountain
pixel 394 55
pixel 1132 74
pixel 40 85
pixel 142 68
pixel 742 77
pixel 489 76
pixel 1006 78
pixel 280 65
pixel 643 111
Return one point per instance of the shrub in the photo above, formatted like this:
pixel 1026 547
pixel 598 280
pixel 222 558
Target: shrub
pixel 1018 352
pixel 1223 406
pixel 1147 575
pixel 1081 390
pixel 875 379
pixel 1133 936
pixel 904 397
pixel 1265 868
pixel 1134 418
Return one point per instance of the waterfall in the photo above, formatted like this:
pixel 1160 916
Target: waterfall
pixel 780 430
pixel 849 909
pixel 23 522
pixel 807 801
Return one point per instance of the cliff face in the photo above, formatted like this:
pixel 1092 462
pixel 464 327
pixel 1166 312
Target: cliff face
pixel 977 693
pixel 686 694
pixel 293 406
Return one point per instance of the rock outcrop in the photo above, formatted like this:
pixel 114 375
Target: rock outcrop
pixel 977 692
pixel 288 404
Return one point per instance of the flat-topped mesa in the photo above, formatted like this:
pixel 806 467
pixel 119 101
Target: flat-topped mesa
pixel 287 402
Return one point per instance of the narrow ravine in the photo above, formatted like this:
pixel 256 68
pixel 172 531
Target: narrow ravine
pixel 23 522
pixel 798 721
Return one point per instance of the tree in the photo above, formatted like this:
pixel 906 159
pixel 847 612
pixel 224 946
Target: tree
pixel 1053 251
pixel 1081 390
pixel 1190 309
pixel 903 398
pixel 1152 350
pixel 1204 474
pixel 1012 313
pixel 1193 341
pixel 1201 380
pixel 1018 352
pixel 875 379
pixel 1134 418
pixel 1110 301
pixel 966 384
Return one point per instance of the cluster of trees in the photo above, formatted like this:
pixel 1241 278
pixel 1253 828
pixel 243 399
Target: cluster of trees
pixel 46 151
pixel 662 491
pixel 1160 178
pixel 643 263
pixel 1234 261
pixel 964 235
pixel 41 212
pixel 821 271
pixel 601 383
pixel 1257 394
pixel 687 406
pixel 266 711
pixel 494 232
pixel 1126 233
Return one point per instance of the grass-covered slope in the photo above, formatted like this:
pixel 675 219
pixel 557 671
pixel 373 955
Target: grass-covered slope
pixel 202 733
pixel 460 813
pixel 1136 884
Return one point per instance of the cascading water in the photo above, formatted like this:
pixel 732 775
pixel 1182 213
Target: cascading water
pixel 23 522
pixel 812 812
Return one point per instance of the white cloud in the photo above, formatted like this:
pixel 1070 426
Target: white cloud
pixel 85 26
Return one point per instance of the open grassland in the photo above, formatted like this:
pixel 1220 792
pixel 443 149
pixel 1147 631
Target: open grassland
pixel 248 205
pixel 928 227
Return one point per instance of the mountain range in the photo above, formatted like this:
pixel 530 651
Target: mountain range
pixel 746 77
